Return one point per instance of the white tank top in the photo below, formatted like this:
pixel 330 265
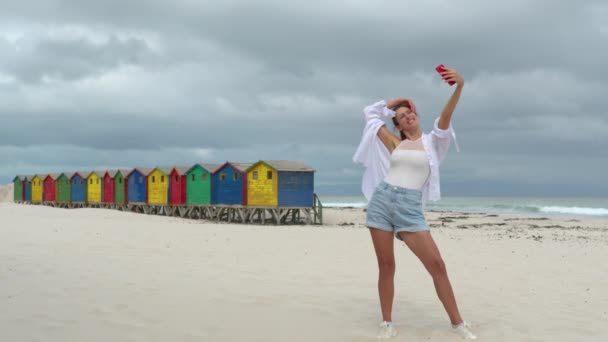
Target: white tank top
pixel 409 167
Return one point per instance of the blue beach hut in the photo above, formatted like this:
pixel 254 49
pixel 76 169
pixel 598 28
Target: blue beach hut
pixel 77 187
pixel 28 189
pixel 137 185
pixel 230 184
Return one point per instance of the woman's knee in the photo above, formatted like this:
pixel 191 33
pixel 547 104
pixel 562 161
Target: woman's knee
pixel 437 267
pixel 386 265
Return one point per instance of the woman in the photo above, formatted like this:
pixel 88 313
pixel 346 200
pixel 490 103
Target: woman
pixel 401 175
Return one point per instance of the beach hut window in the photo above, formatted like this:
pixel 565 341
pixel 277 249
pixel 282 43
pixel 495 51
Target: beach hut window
pixel 193 177
pixel 90 181
pixel 255 175
pixel 177 178
pixel 141 180
pixel 204 177
pixel 269 175
pixel 222 176
pixel 153 179
pixel 162 179
pixel 235 176
pixel 119 180
pixel 97 181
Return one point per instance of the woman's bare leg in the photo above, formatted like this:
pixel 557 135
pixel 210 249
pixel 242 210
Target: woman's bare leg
pixel 424 247
pixel 383 245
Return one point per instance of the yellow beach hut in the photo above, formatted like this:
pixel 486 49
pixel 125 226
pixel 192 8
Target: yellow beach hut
pixel 93 181
pixel 37 189
pixel 280 183
pixel 158 185
pixel 262 186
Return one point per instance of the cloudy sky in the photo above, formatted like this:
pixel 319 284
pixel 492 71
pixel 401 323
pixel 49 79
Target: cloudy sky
pixel 105 84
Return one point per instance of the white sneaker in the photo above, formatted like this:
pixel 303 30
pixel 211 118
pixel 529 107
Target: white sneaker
pixel 387 330
pixel 464 330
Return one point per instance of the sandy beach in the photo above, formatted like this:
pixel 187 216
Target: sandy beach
pixel 103 275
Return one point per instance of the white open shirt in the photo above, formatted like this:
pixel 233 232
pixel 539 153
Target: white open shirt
pixel 375 157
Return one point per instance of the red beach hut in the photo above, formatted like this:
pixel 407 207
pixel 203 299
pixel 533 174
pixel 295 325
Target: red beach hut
pixel 109 186
pixel 50 188
pixel 178 185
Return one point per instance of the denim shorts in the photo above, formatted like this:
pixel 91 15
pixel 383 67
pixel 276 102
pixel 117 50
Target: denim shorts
pixel 395 209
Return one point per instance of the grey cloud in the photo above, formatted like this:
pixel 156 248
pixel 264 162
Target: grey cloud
pixel 385 37
pixel 283 80
pixel 69 59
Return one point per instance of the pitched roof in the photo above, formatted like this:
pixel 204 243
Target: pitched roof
pixel 210 167
pixel 242 166
pixel 289 165
pixel 68 175
pixel 111 172
pixel 144 170
pixel 182 170
pixel 82 174
pixel 97 172
pixel 164 169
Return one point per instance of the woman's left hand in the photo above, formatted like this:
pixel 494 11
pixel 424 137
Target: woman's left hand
pixel 451 75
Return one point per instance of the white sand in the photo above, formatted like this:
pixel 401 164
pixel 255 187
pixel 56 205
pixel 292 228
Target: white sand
pixel 6 193
pixel 101 275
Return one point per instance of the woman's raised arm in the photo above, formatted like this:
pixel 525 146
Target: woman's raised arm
pixel 446 115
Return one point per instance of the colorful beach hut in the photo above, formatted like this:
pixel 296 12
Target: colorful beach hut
pixel 109 186
pixel 262 185
pixel 37 189
pixel 230 183
pixel 178 184
pixel 158 185
pixel 199 183
pixel 28 189
pixel 93 186
pixel 50 188
pixel 78 188
pixel 119 186
pixel 281 183
pixel 63 187
pixel 19 188
pixel 137 185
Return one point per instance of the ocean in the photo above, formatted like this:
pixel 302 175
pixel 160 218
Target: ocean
pixel 549 206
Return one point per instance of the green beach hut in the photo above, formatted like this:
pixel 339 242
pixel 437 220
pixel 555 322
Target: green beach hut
pixel 64 188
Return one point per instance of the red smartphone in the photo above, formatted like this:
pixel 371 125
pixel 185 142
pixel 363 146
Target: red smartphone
pixel 441 68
